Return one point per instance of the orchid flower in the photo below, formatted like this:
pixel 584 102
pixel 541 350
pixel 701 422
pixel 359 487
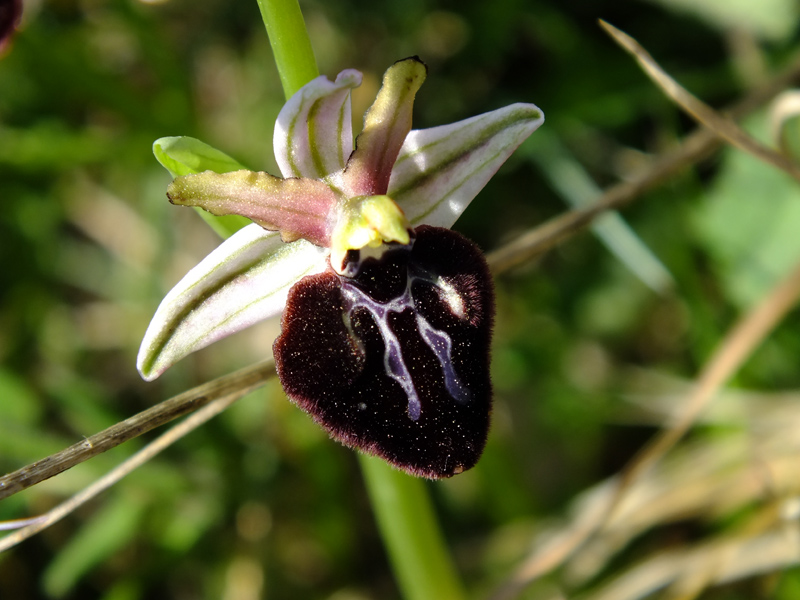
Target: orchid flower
pixel 386 313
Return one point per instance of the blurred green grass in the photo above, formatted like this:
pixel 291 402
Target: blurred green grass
pixel 260 503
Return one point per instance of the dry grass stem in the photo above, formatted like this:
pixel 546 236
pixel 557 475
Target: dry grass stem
pixel 737 346
pixel 732 352
pixel 18 523
pixel 240 382
pixel 755 464
pixel 715 562
pixel 700 482
pixel 696 147
pixel 701 112
pixel 192 422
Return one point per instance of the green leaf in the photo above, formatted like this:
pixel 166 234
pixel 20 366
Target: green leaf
pixel 183 155
pixel 20 403
pixel 749 221
pixel 112 528
pixel 768 19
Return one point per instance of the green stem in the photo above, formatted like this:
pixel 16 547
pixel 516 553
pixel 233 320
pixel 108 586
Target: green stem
pixel 411 533
pixel 290 43
pixel 403 510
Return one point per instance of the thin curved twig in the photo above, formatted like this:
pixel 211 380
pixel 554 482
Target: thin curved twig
pixel 696 108
pixel 743 338
pixel 242 381
pixel 737 346
pixel 696 147
pixel 192 422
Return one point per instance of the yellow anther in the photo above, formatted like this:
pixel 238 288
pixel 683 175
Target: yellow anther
pixel 367 221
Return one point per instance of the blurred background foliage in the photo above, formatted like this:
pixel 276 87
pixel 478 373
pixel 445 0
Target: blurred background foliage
pixel 590 355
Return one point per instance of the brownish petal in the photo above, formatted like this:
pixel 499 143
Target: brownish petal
pixel 386 126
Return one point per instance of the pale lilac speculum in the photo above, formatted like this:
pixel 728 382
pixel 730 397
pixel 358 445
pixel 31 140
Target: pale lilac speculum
pixel 386 313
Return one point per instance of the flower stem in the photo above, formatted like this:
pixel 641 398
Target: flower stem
pixel 403 510
pixel 290 43
pixel 411 533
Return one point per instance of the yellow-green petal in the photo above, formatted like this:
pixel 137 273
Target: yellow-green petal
pixel 386 125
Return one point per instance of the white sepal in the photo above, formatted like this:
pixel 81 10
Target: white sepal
pixel 440 170
pixel 245 280
pixel 314 134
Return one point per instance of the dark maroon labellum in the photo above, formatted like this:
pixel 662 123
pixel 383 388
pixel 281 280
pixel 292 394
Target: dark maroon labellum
pixel 395 360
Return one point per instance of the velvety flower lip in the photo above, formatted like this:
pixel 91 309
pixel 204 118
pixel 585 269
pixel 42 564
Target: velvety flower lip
pixel 430 174
pixel 386 313
pixel 394 360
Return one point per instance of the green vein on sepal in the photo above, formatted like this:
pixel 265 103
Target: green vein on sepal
pixel 447 160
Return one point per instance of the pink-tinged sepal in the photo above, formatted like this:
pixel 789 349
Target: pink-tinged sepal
pixel 186 156
pixel 298 208
pixel 313 133
pixel 245 280
pixel 386 125
pixel 440 170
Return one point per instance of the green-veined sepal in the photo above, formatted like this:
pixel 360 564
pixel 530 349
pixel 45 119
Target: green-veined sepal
pixel 440 170
pixel 245 280
pixel 314 134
